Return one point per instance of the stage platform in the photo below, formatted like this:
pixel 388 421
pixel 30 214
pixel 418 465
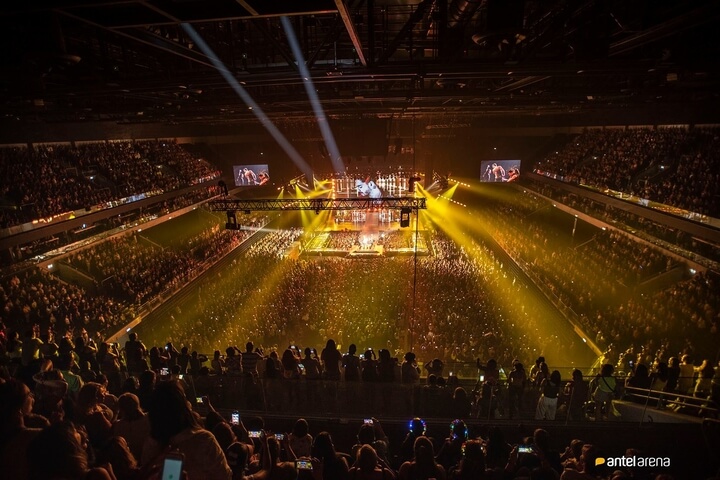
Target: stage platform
pixel 359 252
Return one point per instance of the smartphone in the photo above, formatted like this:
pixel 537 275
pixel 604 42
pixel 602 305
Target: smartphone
pixel 302 367
pixel 255 433
pixel 235 418
pixel 525 449
pixel 164 371
pixel 198 400
pixel 280 436
pixel 482 378
pixel 303 464
pixel 631 363
pixel 369 421
pixel 172 466
pixel 181 376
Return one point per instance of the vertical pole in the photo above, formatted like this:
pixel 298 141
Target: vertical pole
pixel 411 326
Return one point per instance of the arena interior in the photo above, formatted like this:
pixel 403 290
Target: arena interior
pixel 383 217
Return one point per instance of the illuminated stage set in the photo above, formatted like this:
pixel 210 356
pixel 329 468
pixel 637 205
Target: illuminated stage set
pixel 363 215
pixel 366 232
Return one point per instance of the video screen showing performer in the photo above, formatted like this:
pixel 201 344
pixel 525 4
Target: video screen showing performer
pixel 251 175
pixel 498 171
pixel 367 188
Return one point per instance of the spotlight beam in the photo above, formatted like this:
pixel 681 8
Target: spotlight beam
pixel 322 121
pixel 242 93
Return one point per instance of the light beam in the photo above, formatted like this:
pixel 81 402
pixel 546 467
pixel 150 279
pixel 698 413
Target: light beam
pixel 257 111
pixel 322 121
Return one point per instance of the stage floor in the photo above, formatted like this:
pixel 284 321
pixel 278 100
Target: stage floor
pixel 360 243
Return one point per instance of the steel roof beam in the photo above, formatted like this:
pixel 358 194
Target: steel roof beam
pixel 416 16
pixel 350 27
pixel 147 38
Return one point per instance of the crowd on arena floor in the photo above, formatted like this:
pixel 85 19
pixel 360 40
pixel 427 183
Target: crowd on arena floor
pixel 52 179
pixel 399 239
pixel 342 240
pixel 458 314
pixel 673 166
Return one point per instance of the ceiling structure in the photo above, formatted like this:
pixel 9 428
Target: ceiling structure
pixel 131 60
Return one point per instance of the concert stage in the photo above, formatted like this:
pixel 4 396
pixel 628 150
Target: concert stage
pixel 361 244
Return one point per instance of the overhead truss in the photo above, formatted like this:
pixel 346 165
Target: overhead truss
pixel 317 204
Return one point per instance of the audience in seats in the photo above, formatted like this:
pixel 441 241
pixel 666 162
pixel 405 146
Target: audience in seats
pixel 49 180
pixel 174 426
pixel 423 464
pixel 596 280
pixel 131 443
pixel 669 165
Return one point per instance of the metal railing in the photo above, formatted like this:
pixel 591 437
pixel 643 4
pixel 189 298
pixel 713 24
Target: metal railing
pixel 348 398
pixel 687 404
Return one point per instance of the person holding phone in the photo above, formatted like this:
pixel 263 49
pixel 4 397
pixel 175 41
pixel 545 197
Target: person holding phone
pixel 172 467
pixel 371 433
pixel 158 360
pixel 238 455
pixel 174 427
pixel 279 470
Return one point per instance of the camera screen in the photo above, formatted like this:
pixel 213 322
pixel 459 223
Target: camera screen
pixel 251 175
pixel 500 170
pixel 172 468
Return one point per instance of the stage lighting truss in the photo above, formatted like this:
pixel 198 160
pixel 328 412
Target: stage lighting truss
pixel 318 204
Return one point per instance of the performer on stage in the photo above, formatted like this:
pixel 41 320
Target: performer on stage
pixel 263 177
pixel 250 177
pixel 513 174
pixel 498 171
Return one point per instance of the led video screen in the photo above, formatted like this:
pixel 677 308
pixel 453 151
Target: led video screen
pixel 499 170
pixel 251 175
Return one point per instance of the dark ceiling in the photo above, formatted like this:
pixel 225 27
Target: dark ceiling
pixel 131 60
